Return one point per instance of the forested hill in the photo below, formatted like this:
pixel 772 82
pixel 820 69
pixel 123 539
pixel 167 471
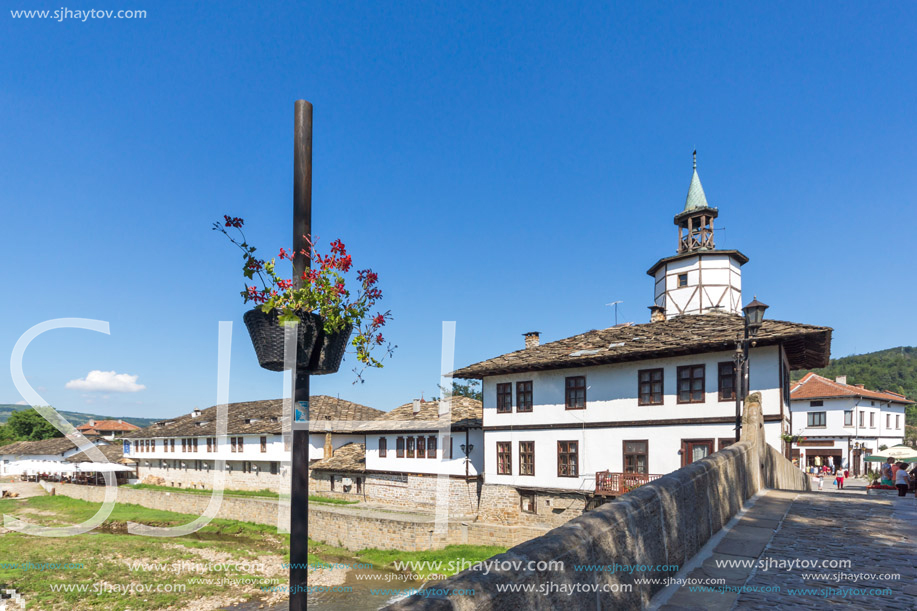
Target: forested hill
pixel 894 369
pixel 75 418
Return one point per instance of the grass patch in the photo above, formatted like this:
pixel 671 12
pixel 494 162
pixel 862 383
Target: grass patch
pixel 453 558
pixel 250 493
pixel 106 556
pixel 329 500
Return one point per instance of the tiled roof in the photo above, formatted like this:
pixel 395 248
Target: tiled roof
pixel 56 445
pixel 814 386
pixel 349 457
pixel 256 417
pixel 466 413
pixel 109 425
pixel 113 452
pixel 806 346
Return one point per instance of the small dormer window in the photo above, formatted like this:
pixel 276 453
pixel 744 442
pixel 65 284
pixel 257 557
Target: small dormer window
pixel 682 280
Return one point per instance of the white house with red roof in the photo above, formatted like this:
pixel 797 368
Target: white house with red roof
pixel 840 423
pixel 107 429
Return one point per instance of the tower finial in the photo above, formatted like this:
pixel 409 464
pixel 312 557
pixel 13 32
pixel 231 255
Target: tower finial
pixel 695 159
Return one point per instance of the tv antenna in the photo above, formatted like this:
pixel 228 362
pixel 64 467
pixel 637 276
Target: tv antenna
pixel 615 304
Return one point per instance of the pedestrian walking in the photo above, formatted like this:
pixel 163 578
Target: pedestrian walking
pixel 901 481
pixel 821 480
pixel 839 480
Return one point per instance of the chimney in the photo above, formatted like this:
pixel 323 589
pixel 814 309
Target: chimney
pixel 657 313
pixel 532 339
pixel 329 448
pixel 195 413
pixel 841 379
pixel 860 385
pixel 416 406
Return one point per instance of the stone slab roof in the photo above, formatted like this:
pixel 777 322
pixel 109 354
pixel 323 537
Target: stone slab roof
pixel 113 452
pixel 257 417
pixel 814 386
pixel 467 413
pixel 56 445
pixel 735 254
pixel 349 457
pixel 807 346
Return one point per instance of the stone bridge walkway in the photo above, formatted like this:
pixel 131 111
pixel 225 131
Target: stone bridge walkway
pixel 878 535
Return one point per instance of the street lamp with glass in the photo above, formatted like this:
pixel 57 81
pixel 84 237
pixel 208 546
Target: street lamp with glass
pixel 754 318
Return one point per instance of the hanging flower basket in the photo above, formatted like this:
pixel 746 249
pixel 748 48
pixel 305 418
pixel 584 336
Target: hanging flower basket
pixel 319 299
pixel 267 336
pixel 329 351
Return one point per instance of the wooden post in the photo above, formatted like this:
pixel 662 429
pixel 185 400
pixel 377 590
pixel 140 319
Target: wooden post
pixel 299 486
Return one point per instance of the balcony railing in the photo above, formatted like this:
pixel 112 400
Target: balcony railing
pixel 612 484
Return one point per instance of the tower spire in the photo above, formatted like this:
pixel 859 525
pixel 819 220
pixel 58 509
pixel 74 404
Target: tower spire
pixel 695 159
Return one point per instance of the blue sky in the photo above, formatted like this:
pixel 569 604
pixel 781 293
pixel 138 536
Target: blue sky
pixel 509 168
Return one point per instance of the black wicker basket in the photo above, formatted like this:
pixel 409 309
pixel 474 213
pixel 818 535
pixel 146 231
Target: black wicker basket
pixel 329 351
pixel 267 338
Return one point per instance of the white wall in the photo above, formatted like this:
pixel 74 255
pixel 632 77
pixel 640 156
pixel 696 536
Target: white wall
pixel 834 418
pixel 611 396
pixel 611 393
pixel 453 466
pixel 602 449
pixel 718 276
pixel 317 443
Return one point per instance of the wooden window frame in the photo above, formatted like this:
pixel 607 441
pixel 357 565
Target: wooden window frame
pixel 184 444
pixel 525 397
pixel 504 458
pixel 691 378
pixel 409 448
pixel 872 420
pixel 522 498
pixel 172 445
pixel 888 421
pixel 504 398
pixel 264 445
pixel 527 449
pixel 399 447
pixel 862 419
pixel 645 454
pixel 685 443
pixel 897 421
pixel 846 413
pixel 383 447
pixel 421 446
pixel 431 446
pixel 649 386
pixel 571 392
pixel 566 452
pixel 275 467
pixel 194 445
pixel 818 403
pixel 720 378
pixel 678 281
pixel 724 442
pixel 810 419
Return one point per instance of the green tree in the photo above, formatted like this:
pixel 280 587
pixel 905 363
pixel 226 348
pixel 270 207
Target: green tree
pixel 470 389
pixel 28 425
pixel 7 435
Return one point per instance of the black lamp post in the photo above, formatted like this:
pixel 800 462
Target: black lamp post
pixel 754 318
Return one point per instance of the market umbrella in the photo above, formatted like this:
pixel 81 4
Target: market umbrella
pixel 900 453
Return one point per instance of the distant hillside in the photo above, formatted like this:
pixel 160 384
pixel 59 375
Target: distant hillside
pixel 75 418
pixel 894 369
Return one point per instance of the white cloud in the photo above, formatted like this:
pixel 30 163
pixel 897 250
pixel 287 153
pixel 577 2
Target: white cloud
pixel 22 402
pixel 106 381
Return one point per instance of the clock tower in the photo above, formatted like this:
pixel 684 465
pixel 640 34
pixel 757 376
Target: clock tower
pixel 698 279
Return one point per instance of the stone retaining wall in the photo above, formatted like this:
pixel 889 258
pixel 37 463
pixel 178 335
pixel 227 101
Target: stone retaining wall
pixel 259 511
pixel 664 522
pixel 354 529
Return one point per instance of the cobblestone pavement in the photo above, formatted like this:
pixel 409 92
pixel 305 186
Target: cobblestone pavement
pixel 783 530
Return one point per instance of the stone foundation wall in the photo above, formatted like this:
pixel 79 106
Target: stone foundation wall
pixel 412 491
pixel 261 479
pixel 503 505
pixel 664 522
